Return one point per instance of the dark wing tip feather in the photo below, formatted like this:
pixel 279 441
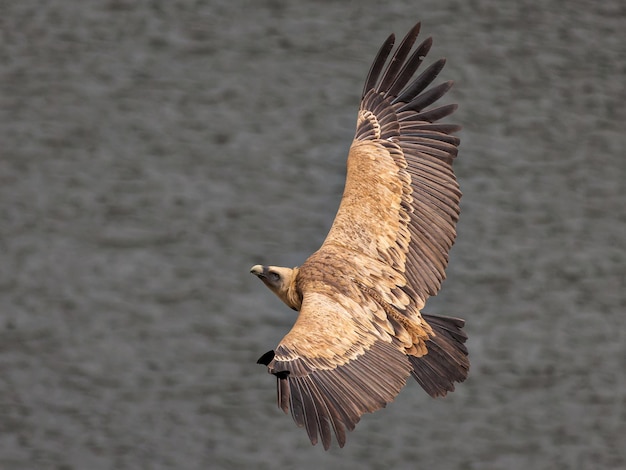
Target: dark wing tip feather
pixel 435 114
pixel 421 82
pixel 434 131
pixel 378 64
pixel 409 68
pixel 427 98
pixel 390 92
pixel 266 358
pixel 397 62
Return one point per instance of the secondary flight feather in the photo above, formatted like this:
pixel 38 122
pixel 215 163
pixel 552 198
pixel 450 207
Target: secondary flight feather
pixel 360 332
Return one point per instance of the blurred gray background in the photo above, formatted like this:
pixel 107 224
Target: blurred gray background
pixel 151 152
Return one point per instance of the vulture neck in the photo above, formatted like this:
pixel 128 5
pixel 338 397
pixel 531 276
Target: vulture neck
pixel 289 293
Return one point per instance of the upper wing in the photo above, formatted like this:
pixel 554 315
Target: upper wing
pixel 401 200
pixel 384 255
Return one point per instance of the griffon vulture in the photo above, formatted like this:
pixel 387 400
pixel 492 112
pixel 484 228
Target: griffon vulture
pixel 360 332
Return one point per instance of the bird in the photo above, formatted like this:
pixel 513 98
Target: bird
pixel 360 332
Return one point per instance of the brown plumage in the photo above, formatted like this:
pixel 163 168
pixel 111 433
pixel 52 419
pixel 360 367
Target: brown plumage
pixel 360 333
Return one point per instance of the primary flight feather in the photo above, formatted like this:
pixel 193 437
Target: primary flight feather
pixel 360 332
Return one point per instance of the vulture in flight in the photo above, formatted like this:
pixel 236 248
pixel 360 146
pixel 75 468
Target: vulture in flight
pixel 360 332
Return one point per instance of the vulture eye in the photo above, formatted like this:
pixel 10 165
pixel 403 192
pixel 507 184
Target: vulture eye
pixel 274 277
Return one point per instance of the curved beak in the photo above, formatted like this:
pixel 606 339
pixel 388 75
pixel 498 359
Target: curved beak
pixel 259 271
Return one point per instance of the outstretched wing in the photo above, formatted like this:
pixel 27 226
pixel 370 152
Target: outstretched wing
pixel 400 163
pixel 360 333
pixel 333 367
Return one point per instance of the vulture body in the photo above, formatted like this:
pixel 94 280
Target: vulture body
pixel 360 332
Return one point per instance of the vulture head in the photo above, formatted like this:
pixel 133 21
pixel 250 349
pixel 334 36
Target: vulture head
pixel 281 281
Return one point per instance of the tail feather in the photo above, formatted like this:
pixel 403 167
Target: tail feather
pixel 446 361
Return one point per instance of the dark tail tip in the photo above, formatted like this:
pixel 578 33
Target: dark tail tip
pixel 447 359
